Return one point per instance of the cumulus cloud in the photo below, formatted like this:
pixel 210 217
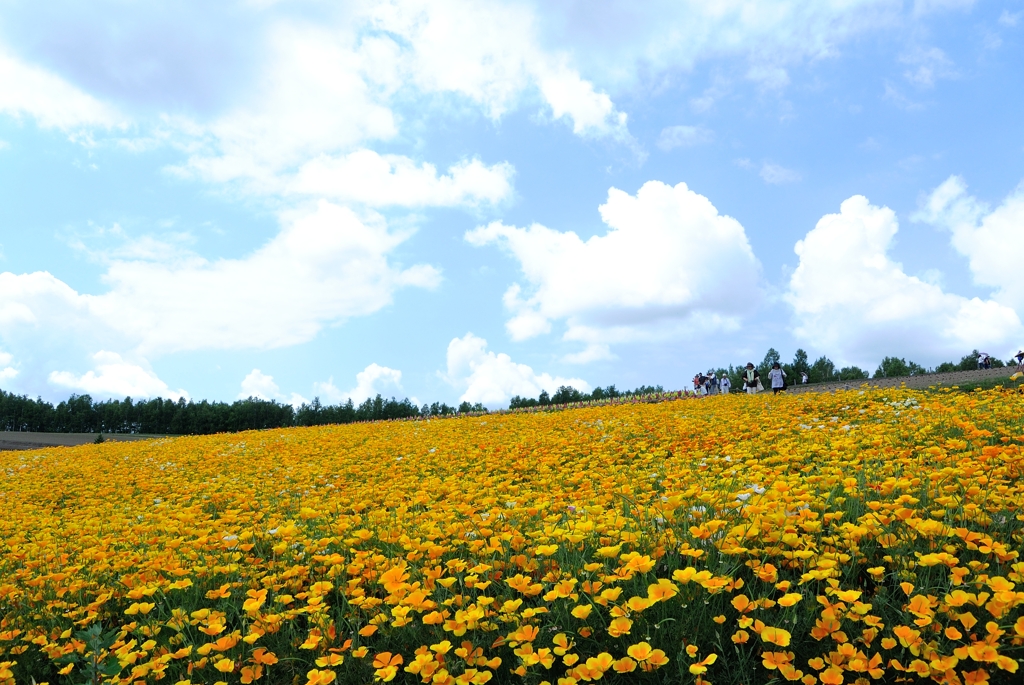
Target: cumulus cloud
pixel 493 378
pixel 667 257
pixel 325 266
pixel 373 179
pixel 490 53
pixel 260 386
pixel 371 381
pixel 30 91
pixel 324 90
pixel 115 377
pixel 778 175
pixel 989 238
pixel 850 298
pixel 8 372
pixel 684 136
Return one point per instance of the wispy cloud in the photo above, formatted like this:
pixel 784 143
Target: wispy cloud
pixel 684 136
pixel 778 175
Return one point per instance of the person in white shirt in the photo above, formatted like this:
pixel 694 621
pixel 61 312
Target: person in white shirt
pixel 724 385
pixel 803 377
pixel 778 378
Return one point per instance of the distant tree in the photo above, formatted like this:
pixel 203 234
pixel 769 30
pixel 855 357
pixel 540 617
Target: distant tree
pixel 566 394
pixel 544 398
pixel 946 367
pixel 969 362
pixel 916 369
pixel 822 371
pixel 892 367
pixel 771 356
pixel 800 365
pixel 852 373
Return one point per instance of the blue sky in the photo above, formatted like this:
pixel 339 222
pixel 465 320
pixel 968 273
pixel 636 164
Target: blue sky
pixel 451 200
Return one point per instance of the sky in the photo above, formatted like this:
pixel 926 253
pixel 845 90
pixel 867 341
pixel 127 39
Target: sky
pixel 453 201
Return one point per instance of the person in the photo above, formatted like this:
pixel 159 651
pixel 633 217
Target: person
pixel 1020 360
pixel 724 384
pixel 711 383
pixel 698 385
pixel 751 379
pixel 983 362
pixel 778 378
pixel 803 377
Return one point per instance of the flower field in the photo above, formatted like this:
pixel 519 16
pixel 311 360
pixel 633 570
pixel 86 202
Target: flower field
pixel 862 536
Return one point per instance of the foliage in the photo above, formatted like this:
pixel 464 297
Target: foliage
pixel 892 367
pixel 570 395
pixel 823 538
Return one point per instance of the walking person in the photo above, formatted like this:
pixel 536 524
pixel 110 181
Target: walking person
pixel 724 384
pixel 1020 360
pixel 803 377
pixel 751 379
pixel 778 378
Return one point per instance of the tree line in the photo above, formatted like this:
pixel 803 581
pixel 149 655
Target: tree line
pixel 82 414
pixel 823 370
pixel 158 416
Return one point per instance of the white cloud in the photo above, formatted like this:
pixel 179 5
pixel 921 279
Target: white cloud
pixel 667 258
pixel 684 136
pixel 54 103
pixel 378 180
pixel 493 379
pixel 325 266
pixel 927 65
pixel 8 372
pixel 4 145
pixel 371 381
pixel 1008 18
pixel 850 298
pixel 778 175
pixel 989 238
pixel 261 386
pixel 490 53
pixel 326 90
pixel 116 377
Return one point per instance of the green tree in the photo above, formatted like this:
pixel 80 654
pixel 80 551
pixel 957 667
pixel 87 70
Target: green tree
pixel 852 373
pixel 770 357
pixel 823 371
pixel 894 367
pixel 800 363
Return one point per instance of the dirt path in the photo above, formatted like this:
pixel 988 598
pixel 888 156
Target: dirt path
pixel 920 382
pixel 18 440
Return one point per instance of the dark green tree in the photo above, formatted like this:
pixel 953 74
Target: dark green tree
pixel 852 373
pixel 892 367
pixel 823 371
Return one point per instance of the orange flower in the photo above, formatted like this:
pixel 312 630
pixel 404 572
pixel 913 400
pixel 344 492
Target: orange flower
pixel 776 636
pixel 624 665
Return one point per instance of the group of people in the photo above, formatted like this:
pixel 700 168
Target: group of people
pixel 710 384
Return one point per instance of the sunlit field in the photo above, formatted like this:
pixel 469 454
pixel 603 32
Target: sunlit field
pixel 863 536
